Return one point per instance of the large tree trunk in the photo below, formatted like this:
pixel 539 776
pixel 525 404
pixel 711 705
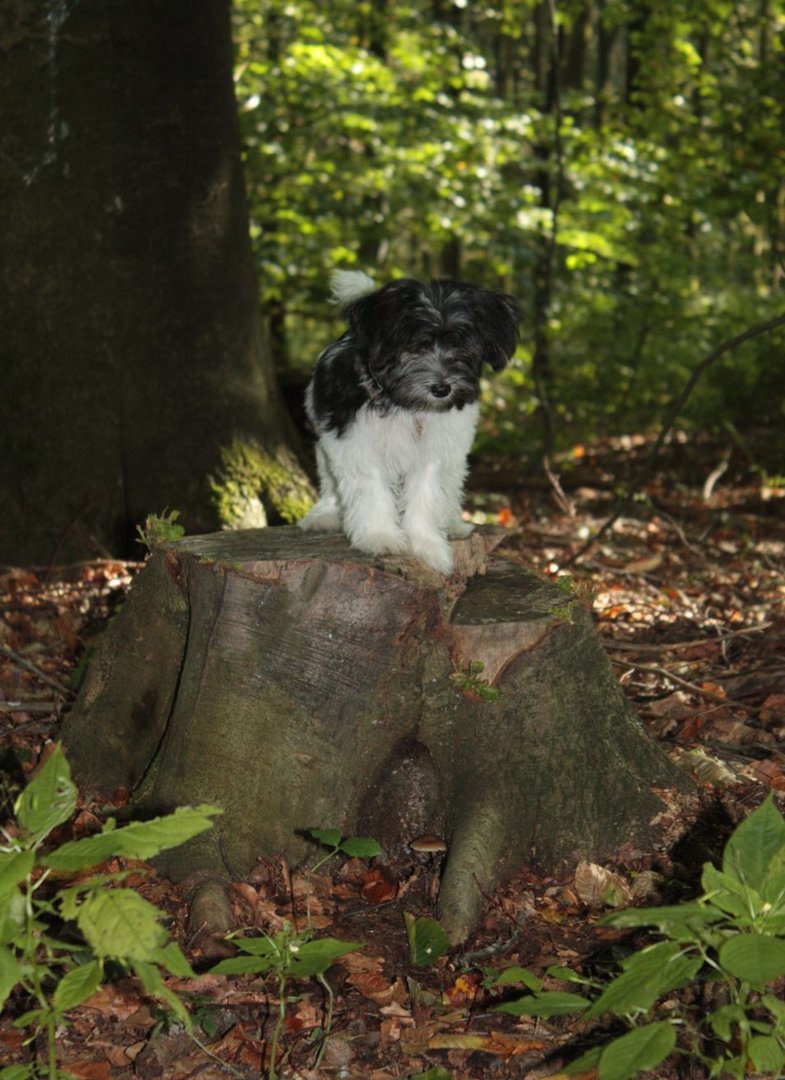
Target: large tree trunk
pixel 299 684
pixel 133 363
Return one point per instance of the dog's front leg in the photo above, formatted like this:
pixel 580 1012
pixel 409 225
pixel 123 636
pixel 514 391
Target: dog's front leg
pixel 370 517
pixel 325 515
pixel 369 512
pixel 428 511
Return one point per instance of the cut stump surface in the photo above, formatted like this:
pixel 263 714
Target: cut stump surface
pixel 299 684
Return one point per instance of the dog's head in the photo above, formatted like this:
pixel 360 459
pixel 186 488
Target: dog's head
pixel 425 344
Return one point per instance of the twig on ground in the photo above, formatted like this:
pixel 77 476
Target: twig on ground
pixel 566 505
pixel 630 646
pixel 712 695
pixel 29 706
pixel 26 665
pixel 500 946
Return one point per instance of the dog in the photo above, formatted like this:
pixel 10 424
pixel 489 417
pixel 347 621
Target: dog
pixel 394 404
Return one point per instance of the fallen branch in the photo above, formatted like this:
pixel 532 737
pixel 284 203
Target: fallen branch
pixel 615 646
pixel 19 661
pixel 712 695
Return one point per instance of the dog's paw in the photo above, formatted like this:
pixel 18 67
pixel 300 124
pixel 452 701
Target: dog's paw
pixel 380 543
pixel 324 517
pixel 434 550
pixel 459 530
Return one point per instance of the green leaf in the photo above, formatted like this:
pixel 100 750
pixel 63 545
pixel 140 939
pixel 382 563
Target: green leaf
pixel 10 974
pixel 139 840
pixel 585 1063
pixel 436 1072
pixel 242 965
pixel 766 1054
pixel 640 1049
pixel 776 1008
pixel 77 986
pixel 729 894
pixel 48 800
pixel 329 837
pixel 647 976
pixel 120 924
pixel 264 947
pixel 723 1019
pixel 549 1003
pixel 556 971
pixel 153 983
pixel 15 866
pixel 754 846
pixel 17 1072
pixel 315 957
pixel 361 847
pixel 512 975
pixel 670 919
pixel 755 958
pixel 171 957
pixel 427 940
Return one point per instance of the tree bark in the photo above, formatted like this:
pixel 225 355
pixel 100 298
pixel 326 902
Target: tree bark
pixel 130 321
pixel 300 684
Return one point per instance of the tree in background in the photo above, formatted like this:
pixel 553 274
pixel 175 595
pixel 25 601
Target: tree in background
pixel 136 374
pixel 618 165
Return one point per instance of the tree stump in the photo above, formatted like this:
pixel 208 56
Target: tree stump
pixel 298 683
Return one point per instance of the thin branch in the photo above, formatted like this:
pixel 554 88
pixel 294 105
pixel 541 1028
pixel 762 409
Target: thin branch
pixel 712 695
pixel 19 661
pixel 718 639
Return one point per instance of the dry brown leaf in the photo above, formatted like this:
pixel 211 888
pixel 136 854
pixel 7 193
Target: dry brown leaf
pixel 379 885
pixel 645 565
pixel 464 990
pixel 706 769
pixel 90 1070
pixel 373 986
pixel 494 1043
pixel 772 711
pixel 599 887
pixel 115 1000
pixel 765 772
pixel 361 962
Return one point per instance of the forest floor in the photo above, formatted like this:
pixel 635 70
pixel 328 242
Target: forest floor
pixel 689 597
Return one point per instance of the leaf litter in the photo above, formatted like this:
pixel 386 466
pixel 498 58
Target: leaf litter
pixel 689 597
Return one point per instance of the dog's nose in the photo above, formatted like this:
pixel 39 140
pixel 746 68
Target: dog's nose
pixel 441 389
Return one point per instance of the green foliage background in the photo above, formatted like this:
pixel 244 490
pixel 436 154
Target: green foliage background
pixel 618 165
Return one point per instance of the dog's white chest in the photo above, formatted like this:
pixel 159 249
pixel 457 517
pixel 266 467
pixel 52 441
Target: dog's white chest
pixel 404 441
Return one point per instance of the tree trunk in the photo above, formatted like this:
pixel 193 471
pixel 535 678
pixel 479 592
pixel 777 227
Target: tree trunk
pixel 300 684
pixel 130 321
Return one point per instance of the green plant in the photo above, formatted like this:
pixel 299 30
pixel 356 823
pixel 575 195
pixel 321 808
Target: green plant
pixel 292 953
pixel 289 954
pixel 731 939
pixel 160 529
pixel 356 847
pixel 470 682
pixel 114 924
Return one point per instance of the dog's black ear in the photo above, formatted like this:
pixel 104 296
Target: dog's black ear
pixel 500 316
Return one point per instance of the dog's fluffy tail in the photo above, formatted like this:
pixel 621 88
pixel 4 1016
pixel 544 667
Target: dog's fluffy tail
pixel 350 285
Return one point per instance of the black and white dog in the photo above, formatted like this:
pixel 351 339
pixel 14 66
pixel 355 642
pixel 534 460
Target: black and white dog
pixel 394 403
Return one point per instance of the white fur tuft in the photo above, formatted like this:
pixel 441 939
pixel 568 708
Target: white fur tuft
pixel 350 285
